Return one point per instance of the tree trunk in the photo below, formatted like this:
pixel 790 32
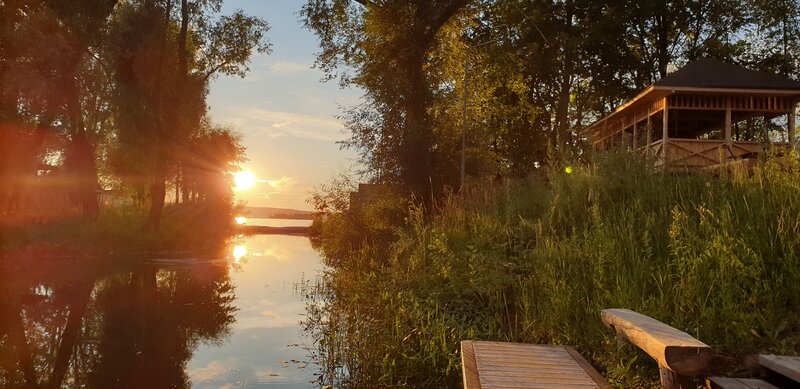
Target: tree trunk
pixel 82 164
pixel 158 190
pixel 565 87
pixel 416 146
pixel 662 44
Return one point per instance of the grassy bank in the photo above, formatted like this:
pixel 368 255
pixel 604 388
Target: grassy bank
pixel 536 260
pixel 118 230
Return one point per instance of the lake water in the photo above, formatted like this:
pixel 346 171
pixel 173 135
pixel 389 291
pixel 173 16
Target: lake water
pixel 229 322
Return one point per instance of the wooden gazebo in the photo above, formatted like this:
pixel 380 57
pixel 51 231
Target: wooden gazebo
pixel 691 118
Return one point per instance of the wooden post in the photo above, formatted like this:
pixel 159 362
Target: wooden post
pixel 671 380
pixel 635 134
pixel 792 140
pixel 728 120
pixel 649 136
pixel 665 134
pixel 728 139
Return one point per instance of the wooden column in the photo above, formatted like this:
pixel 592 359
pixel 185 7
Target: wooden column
pixel 649 136
pixel 792 140
pixel 665 132
pixel 635 133
pixel 728 120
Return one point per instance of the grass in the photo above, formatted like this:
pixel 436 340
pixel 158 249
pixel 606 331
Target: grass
pixel 536 260
pixel 195 228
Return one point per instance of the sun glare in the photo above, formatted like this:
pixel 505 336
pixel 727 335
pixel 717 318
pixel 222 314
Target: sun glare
pixel 240 219
pixel 239 251
pixel 244 180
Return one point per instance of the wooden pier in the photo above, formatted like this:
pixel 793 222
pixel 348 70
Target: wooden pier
pixel 519 365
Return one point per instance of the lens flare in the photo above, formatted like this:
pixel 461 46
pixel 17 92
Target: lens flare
pixel 244 180
pixel 240 219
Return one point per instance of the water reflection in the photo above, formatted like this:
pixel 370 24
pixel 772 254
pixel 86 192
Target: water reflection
pixel 239 251
pixel 167 323
pixel 131 328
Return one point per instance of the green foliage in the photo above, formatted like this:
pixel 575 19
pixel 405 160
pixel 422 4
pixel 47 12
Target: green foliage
pixel 101 94
pixel 536 260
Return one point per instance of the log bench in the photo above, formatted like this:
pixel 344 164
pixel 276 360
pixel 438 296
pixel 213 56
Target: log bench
pixel 495 365
pixel 680 357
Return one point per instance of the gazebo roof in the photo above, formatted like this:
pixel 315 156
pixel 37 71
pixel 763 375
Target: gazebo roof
pixel 708 76
pixel 713 73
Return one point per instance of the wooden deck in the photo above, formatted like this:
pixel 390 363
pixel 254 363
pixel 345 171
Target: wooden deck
pixel 498 365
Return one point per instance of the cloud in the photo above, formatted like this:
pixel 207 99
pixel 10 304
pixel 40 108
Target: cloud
pixel 284 68
pixel 282 183
pixel 214 370
pixel 277 124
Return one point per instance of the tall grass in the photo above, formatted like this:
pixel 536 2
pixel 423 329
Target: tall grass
pixel 536 261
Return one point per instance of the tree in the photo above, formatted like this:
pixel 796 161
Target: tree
pixel 387 45
pixel 163 78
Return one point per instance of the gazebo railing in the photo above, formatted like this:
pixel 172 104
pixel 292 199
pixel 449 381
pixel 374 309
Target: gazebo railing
pixel 700 153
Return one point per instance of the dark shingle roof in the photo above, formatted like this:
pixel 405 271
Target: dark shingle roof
pixel 712 73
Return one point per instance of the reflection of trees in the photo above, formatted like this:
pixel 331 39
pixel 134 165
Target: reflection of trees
pixel 131 329
pixel 40 326
pixel 153 319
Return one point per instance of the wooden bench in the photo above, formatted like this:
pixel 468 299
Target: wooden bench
pixel 495 365
pixel 680 357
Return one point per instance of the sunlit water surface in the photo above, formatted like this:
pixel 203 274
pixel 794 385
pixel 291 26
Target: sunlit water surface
pixel 265 347
pixel 229 322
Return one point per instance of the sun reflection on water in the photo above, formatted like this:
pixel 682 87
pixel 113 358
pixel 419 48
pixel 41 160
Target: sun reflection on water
pixel 239 251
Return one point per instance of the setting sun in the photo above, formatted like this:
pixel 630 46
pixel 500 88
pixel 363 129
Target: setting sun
pixel 244 180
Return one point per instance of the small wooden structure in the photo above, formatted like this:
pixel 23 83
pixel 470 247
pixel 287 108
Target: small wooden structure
pixel 780 365
pixel 494 365
pixel 738 383
pixel 680 357
pixel 690 118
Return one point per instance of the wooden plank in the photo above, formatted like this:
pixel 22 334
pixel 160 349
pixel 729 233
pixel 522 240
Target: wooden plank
pixel 738 383
pixel 788 367
pixel 518 365
pixel 670 347
pixel 469 368
pixel 584 364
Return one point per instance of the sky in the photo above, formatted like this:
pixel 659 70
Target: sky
pixel 284 112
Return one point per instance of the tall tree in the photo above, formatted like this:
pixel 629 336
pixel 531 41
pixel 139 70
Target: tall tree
pixel 386 44
pixel 164 76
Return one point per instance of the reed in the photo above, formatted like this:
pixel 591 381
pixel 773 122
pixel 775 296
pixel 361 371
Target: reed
pixel 536 260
